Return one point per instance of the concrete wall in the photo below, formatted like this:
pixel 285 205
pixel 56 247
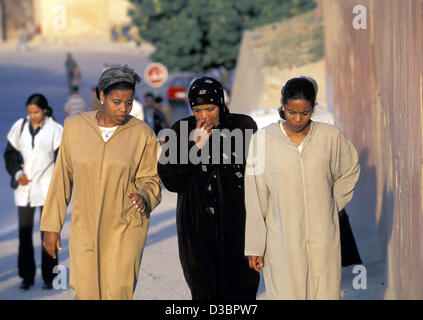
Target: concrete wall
pixel 375 87
pixel 249 79
pixel 259 88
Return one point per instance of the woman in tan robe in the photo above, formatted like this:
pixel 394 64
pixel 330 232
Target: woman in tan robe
pixel 299 174
pixel 108 160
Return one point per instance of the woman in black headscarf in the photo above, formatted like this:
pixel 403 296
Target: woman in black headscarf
pixel 210 186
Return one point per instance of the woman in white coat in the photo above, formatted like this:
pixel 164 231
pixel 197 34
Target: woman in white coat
pixel 299 175
pixel 32 148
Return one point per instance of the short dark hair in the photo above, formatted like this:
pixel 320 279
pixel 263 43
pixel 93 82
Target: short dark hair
pixel 158 99
pixel 117 86
pixel 149 94
pixel 298 88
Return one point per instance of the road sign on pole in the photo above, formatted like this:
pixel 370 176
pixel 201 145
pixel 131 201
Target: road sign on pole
pixel 155 75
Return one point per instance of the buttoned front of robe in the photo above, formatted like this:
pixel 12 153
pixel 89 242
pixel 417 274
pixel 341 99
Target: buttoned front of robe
pixel 292 202
pixel 107 232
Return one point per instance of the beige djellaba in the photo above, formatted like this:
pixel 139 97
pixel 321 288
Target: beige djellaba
pixel 292 199
pixel 108 233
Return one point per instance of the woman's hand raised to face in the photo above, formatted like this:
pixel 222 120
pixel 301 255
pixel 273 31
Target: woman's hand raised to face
pixel 202 132
pixel 138 201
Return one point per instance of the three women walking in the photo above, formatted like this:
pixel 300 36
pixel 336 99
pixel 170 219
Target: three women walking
pixel 277 211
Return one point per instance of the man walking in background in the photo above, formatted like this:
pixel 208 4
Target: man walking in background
pixel 75 104
pixel 72 72
pixel 153 116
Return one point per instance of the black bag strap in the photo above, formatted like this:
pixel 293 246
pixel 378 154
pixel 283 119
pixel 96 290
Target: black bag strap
pixel 22 127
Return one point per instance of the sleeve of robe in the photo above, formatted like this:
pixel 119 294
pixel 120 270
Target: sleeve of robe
pixel 256 201
pixel 345 171
pixel 60 190
pixel 174 175
pixel 147 181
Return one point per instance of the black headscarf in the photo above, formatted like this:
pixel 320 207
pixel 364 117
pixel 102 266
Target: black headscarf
pixel 207 90
pixel 202 91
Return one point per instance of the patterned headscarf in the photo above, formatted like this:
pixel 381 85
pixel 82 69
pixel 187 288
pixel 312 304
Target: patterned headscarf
pixel 116 75
pixel 207 90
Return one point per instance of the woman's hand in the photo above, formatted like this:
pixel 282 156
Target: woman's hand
pixel 51 242
pixel 23 180
pixel 255 262
pixel 202 132
pixel 139 201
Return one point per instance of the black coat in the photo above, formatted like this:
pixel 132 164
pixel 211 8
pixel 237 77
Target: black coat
pixel 211 243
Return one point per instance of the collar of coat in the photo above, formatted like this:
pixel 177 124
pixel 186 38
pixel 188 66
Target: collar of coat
pixel 90 118
pixel 274 132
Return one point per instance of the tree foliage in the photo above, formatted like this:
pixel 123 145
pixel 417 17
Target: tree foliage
pixel 197 35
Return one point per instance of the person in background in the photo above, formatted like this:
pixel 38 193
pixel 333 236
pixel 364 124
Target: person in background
pixel 74 103
pixel 22 40
pixel 31 151
pixel 292 225
pixel 72 72
pixel 165 110
pixel 108 162
pixel 30 30
pixel 153 116
pixel 137 109
pixel 210 215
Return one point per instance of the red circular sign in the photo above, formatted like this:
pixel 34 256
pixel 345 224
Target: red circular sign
pixel 155 75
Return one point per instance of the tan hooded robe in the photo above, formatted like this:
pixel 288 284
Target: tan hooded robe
pixel 292 201
pixel 107 233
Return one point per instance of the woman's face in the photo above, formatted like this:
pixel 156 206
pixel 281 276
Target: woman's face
pixel 208 113
pixel 117 105
pixel 297 114
pixel 35 113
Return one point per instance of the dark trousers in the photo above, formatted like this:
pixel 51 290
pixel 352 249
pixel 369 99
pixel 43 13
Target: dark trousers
pixel 26 262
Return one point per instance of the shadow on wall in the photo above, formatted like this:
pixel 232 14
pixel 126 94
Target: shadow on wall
pixel 372 234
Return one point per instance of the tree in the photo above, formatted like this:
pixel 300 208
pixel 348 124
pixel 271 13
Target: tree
pixel 198 35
